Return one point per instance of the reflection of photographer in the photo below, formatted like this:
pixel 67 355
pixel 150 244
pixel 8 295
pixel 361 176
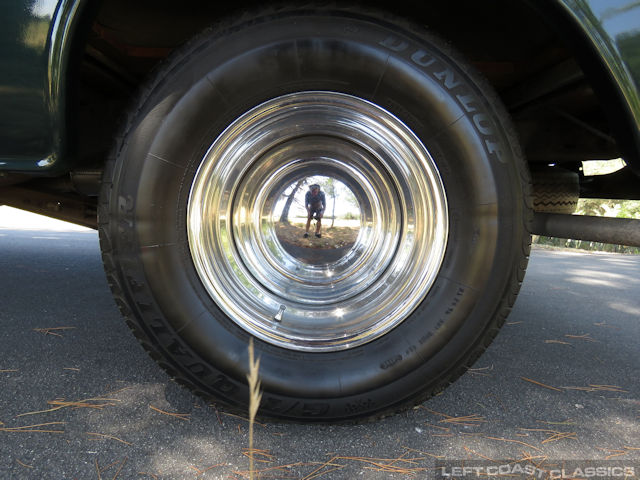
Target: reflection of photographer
pixel 315 203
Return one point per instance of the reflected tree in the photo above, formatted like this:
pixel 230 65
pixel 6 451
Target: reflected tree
pixel 284 216
pixel 329 186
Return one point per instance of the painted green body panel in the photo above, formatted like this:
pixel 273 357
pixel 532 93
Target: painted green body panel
pixel 34 48
pixel 613 28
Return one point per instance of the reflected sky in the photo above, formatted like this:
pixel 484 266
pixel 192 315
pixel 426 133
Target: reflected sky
pixel 617 16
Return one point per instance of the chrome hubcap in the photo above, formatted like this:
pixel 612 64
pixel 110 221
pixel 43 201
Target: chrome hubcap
pixel 362 277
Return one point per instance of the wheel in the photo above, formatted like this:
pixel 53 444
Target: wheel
pixel 555 190
pixel 429 187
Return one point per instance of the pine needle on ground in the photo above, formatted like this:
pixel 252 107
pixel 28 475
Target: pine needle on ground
pixel 181 416
pixel 111 437
pixel 34 428
pixel 465 420
pixel 502 439
pixel 60 403
pixel 541 384
pixel 24 464
pixel 52 330
pixel 552 435
pixel 598 388
pixel 587 337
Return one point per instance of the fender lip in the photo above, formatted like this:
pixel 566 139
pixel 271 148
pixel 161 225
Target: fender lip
pixel 55 157
pixel 609 69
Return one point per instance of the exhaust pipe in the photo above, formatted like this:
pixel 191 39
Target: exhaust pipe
pixel 621 231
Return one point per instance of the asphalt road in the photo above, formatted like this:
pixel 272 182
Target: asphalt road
pixel 575 329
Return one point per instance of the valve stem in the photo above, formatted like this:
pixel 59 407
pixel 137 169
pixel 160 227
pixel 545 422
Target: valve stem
pixel 278 316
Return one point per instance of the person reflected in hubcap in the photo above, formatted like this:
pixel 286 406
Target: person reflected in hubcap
pixel 315 203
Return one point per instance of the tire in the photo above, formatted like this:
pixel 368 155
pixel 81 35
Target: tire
pixel 555 190
pixel 380 105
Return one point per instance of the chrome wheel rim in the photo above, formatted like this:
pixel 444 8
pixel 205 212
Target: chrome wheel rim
pixel 341 298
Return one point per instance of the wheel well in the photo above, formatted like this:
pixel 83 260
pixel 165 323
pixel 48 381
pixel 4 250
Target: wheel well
pixel 558 115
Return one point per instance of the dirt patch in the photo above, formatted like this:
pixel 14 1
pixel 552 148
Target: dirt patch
pixel 332 238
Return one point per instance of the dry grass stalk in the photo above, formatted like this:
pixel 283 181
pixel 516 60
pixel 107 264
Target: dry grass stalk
pixel 34 428
pixel 540 384
pixel 255 396
pixel 111 437
pixel 181 416
pixel 52 330
pixel 9 371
